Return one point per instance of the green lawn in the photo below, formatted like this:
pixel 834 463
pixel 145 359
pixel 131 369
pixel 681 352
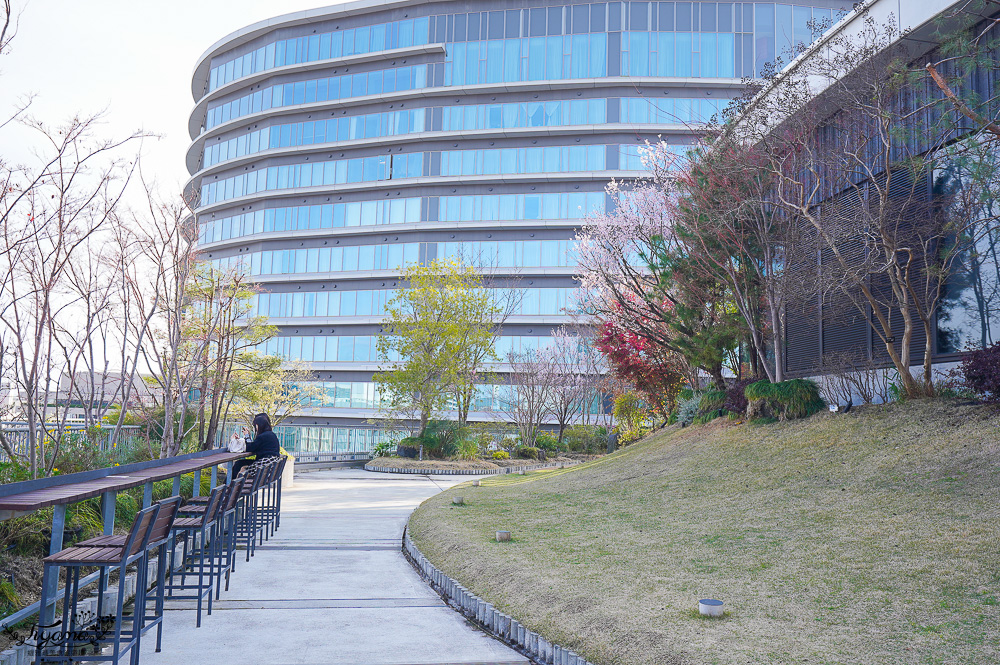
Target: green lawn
pixel 870 537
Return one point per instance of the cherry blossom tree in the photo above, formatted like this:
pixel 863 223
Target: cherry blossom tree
pixel 638 274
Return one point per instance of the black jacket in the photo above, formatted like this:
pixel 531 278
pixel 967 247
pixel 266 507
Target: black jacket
pixel 265 445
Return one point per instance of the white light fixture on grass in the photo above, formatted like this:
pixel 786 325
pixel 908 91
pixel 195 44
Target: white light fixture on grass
pixel 710 607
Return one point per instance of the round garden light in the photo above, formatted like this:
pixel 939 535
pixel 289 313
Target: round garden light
pixel 475 483
pixel 503 536
pixel 710 607
pixel 458 500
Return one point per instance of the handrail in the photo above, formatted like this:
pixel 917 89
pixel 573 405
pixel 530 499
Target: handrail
pixel 31 610
pixel 83 476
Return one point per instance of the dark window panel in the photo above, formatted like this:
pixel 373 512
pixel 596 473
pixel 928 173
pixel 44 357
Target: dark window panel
pixel 614 54
pixel 613 109
pixel 638 16
pixel 581 19
pixel 496 25
pixel 555 21
pixel 597 17
pixel 666 17
pixel 802 337
pixel 708 17
pixel 747 55
pixel 611 157
pixel 461 21
pixel 725 17
pixel 536 22
pixel 513 24
pixel 683 17
pixel 474 27
pixel 614 16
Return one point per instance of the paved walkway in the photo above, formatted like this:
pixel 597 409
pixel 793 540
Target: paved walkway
pixel 332 587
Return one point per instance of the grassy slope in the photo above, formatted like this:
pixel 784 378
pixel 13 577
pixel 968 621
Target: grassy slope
pixel 867 537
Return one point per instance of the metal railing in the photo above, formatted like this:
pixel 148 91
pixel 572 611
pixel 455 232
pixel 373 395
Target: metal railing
pixel 57 522
pixel 307 457
pixel 302 440
pixel 130 437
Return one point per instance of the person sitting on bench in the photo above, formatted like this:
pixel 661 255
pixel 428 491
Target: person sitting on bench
pixel 264 445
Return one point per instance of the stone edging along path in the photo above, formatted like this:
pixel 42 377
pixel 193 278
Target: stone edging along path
pixel 492 620
pixel 371 466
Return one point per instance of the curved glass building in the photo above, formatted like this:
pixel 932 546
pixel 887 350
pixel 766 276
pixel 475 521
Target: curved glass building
pixel 331 147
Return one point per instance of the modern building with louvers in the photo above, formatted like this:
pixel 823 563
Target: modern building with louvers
pixel 332 146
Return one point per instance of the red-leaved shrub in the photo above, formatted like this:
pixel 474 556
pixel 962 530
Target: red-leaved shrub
pixel 982 372
pixel 736 399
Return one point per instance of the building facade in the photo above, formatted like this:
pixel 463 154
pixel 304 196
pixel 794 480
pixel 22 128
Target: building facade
pixel 333 146
pixel 836 330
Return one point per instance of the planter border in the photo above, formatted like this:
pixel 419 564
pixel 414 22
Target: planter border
pixel 493 621
pixel 466 472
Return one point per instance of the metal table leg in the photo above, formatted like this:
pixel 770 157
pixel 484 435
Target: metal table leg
pixel 52 583
pixel 108 511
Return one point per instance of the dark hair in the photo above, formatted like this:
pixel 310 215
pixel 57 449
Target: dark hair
pixel 262 423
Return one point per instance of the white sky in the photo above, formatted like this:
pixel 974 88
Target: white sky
pixel 133 57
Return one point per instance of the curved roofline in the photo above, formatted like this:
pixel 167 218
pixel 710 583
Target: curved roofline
pixel 200 75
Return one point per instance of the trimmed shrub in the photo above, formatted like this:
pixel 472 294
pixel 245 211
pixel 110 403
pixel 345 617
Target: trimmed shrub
pixel 630 411
pixel 501 454
pixel 441 437
pixel 981 370
pixel 408 447
pixel 589 439
pixel 736 399
pixel 687 408
pixel 382 449
pixel 547 442
pixel 467 449
pixel 787 400
pixel 711 401
pixel 633 418
pixel 527 452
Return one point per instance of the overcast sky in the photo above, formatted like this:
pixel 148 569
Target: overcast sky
pixel 133 57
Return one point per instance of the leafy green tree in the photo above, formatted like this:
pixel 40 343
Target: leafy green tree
pixel 268 384
pixel 440 334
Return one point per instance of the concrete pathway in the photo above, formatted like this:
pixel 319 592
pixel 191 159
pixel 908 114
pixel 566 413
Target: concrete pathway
pixel 331 587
